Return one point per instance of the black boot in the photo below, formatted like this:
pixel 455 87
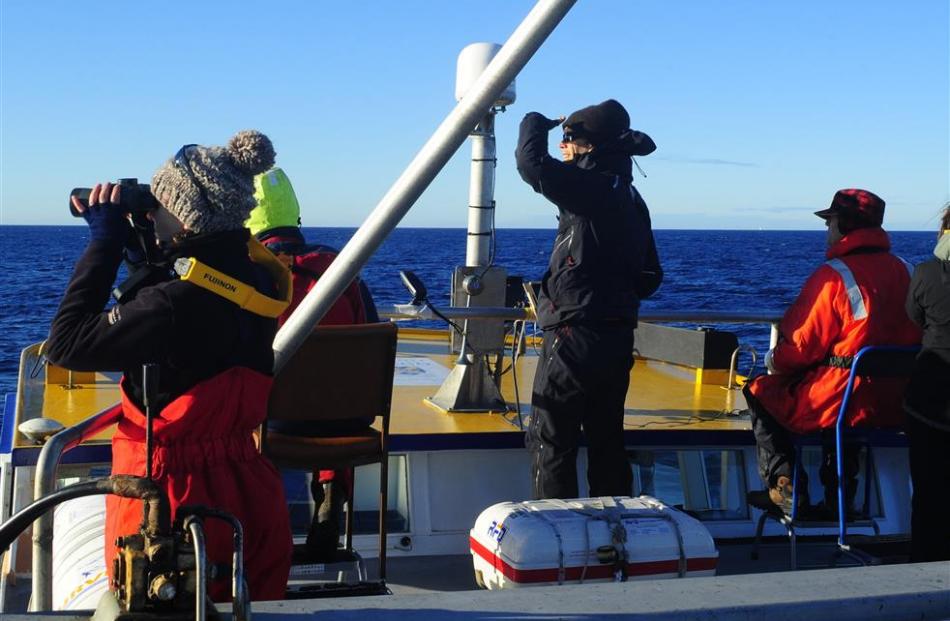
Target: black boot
pixel 323 539
pixel 778 498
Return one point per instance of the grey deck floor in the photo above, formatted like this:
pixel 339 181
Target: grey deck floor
pixel 422 574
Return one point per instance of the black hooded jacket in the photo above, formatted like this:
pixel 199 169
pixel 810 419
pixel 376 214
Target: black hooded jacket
pixel 928 305
pixel 604 259
pixel 193 334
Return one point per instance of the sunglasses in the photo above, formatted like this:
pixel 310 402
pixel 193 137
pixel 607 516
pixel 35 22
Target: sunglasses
pixel 580 141
pixel 181 162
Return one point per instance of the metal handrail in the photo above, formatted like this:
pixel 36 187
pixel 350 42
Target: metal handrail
pixel 409 311
pixel 734 364
pixel 424 312
pixel 45 483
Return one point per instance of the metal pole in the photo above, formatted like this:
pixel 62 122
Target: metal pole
pixel 510 60
pixel 196 528
pixel 481 193
pixel 773 335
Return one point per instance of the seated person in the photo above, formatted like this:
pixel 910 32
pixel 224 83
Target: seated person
pixel 215 357
pixel 853 300
pixel 276 221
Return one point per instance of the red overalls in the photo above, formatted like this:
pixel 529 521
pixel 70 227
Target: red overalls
pixel 204 454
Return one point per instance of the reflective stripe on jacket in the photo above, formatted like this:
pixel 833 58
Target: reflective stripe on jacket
pixel 853 300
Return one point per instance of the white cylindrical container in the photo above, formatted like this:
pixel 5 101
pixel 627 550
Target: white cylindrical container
pixel 472 61
pixel 79 567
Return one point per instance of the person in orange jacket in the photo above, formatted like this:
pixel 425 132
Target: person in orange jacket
pixel 853 300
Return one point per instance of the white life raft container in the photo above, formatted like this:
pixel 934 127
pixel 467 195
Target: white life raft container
pixel 517 544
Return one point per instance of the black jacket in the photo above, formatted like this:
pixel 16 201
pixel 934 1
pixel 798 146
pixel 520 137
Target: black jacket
pixel 928 304
pixel 604 258
pixel 192 333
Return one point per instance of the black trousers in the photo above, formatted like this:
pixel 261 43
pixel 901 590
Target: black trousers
pixel 775 453
pixel 930 473
pixel 581 383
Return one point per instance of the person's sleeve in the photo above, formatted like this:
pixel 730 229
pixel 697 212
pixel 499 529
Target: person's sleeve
pixel 915 309
pixel 651 277
pixel 811 325
pixel 85 337
pixel 565 185
pixel 369 306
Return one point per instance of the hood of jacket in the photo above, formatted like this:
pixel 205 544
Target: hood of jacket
pixel 869 239
pixel 613 158
pixel 942 249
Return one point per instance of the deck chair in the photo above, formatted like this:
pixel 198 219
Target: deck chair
pixel 874 361
pixel 339 373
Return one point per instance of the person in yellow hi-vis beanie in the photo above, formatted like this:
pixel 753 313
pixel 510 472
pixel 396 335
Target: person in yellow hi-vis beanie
pixel 276 223
pixel 277 205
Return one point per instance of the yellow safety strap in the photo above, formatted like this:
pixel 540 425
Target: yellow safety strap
pixel 244 295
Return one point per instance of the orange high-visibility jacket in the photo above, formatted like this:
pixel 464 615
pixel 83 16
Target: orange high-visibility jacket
pixel 855 299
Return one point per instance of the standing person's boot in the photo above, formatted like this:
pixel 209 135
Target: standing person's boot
pixel 323 539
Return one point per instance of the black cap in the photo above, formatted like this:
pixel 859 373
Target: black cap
pixel 598 124
pixel 855 209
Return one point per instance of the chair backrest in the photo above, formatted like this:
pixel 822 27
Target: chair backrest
pixel 874 361
pixel 339 373
pixel 877 361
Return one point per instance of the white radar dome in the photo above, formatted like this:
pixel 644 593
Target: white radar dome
pixel 471 63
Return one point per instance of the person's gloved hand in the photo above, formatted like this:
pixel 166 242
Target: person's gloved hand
pixel 105 216
pixel 770 361
pixel 547 123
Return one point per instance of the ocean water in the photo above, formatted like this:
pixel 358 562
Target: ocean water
pixel 723 271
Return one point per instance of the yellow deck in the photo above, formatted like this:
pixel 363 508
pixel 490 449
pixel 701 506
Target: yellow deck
pixel 662 396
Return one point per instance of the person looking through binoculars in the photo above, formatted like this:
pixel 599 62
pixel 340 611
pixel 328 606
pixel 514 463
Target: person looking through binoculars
pixel 201 302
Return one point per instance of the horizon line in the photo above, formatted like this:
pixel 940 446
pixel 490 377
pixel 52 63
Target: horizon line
pixel 525 228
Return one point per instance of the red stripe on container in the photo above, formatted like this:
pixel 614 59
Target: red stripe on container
pixel 594 572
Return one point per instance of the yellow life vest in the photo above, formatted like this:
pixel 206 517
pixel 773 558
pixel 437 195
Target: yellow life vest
pixel 247 297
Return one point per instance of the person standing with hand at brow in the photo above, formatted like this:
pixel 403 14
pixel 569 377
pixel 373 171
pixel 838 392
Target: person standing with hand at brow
pixel 214 353
pixel 603 263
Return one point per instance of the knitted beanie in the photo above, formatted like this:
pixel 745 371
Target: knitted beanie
pixel 277 204
pixel 211 189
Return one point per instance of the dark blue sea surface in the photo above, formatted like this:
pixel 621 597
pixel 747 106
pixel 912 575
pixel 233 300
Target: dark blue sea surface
pixel 725 271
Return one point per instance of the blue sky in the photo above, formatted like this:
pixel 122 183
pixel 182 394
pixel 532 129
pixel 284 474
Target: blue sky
pixel 760 110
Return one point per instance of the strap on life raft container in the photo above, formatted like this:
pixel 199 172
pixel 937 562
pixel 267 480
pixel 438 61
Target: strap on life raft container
pixel 614 515
pixel 247 297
